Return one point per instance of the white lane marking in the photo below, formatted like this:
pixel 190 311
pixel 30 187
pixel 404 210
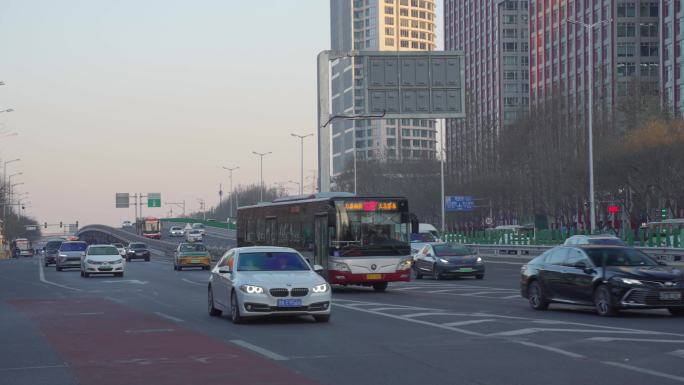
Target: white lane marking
pixel 41 274
pixel 165 330
pixel 520 332
pixel 258 349
pixel 193 282
pixel 93 313
pixel 394 308
pixel 479 293
pixel 406 288
pixel 512 296
pixel 645 371
pixel 169 317
pixel 677 353
pixel 612 339
pixel 34 367
pixel 504 262
pixel 416 315
pixel 133 281
pixel 471 322
pixel 551 349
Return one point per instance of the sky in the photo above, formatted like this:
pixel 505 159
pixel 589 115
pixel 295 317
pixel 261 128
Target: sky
pixel 134 96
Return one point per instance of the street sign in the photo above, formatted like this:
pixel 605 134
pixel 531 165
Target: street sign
pixel 122 200
pixel 419 85
pixel 31 227
pixel 459 203
pixel 489 221
pixel 153 199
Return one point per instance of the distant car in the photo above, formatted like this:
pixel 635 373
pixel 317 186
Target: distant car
pixel 137 250
pixel 176 231
pixel 191 255
pixel 51 250
pixel 594 240
pixel 267 281
pixel 70 255
pixel 426 228
pixel 199 226
pixel 194 235
pixel 121 248
pixel 448 259
pixel 102 259
pixel 609 278
pixel 127 224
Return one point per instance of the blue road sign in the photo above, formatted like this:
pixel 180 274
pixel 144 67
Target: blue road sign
pixel 459 203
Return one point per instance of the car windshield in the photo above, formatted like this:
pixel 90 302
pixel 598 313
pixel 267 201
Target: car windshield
pixel 186 247
pixel 103 250
pixel 73 246
pixel 450 250
pixel 271 261
pixel 607 241
pixel 423 237
pixel 619 257
pixel 138 246
pixel 53 245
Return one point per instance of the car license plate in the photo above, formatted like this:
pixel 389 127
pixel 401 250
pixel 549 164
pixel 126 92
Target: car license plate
pixel 373 276
pixel 670 296
pixel 105 268
pixel 465 270
pixel 289 302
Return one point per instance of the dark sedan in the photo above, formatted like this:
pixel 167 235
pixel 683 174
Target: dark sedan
pixel 447 259
pixel 137 250
pixel 576 275
pixel 51 251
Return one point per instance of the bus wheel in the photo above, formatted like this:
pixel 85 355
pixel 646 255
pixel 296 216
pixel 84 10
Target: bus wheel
pixel 380 286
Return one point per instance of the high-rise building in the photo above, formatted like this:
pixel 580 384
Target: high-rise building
pixel 672 57
pixel 627 48
pixel 494 37
pixel 377 25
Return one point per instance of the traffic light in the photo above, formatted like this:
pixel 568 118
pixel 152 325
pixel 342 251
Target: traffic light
pixel 46 225
pixel 60 224
pixel 663 213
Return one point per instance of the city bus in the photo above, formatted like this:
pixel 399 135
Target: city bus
pixel 357 240
pixel 151 228
pixel 21 247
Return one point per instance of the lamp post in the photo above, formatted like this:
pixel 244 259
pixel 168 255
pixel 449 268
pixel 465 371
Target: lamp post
pixel 230 199
pixel 590 29
pixel 301 161
pixel 261 155
pixel 12 187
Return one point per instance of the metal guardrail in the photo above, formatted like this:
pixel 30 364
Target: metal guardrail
pixel 670 255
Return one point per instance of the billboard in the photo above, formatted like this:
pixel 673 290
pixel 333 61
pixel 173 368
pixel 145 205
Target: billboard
pixel 459 203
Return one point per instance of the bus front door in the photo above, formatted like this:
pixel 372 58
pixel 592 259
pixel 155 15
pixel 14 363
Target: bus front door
pixel 322 242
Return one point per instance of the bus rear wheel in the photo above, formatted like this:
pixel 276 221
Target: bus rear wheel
pixel 380 286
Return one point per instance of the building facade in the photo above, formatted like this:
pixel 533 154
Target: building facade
pixel 672 62
pixel 494 37
pixel 377 25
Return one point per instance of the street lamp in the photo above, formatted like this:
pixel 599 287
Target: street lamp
pixel 590 29
pixel 261 155
pixel 230 199
pixel 301 163
pixel 11 191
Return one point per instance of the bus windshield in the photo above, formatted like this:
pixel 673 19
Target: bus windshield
pixel 362 232
pixel 151 226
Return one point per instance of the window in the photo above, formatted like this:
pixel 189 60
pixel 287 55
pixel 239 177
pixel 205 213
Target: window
pixel 576 258
pixel 391 142
pixel 626 69
pixel 648 9
pixel 510 47
pixel 389 10
pixel 648 29
pixel 389 41
pixel 649 69
pixel 626 30
pixel 510 102
pixel 510 19
pixel 557 257
pixel 626 49
pixel 626 10
pixel 649 49
pixel 510 60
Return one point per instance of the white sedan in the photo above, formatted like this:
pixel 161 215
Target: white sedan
pixel 194 235
pixel 266 281
pixel 102 259
pixel 176 231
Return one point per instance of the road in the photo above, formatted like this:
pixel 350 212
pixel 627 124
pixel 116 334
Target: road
pixel 151 327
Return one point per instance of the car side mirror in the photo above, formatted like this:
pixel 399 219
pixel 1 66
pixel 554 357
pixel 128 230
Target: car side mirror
pixel 224 270
pixel 318 268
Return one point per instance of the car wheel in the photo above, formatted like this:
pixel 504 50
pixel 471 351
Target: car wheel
pixel 676 311
pixel 479 276
pixel 536 297
pixel 118 274
pixel 603 302
pixel 235 309
pixel 86 275
pixel 128 259
pixel 214 312
pixel 435 273
pixel 147 259
pixel 418 274
pixel 81 273
pixel 380 286
pixel 58 268
pixel 322 317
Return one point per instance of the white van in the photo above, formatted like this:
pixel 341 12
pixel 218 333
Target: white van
pixel 426 228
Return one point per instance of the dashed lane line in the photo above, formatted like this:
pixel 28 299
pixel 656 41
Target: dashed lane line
pixel 645 371
pixel 193 282
pixel 259 350
pixel 169 317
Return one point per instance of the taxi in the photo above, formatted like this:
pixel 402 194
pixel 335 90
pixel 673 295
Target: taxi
pixel 191 255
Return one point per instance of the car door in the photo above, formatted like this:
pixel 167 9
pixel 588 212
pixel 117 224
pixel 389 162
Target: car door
pixel 221 282
pixel 551 273
pixel 578 277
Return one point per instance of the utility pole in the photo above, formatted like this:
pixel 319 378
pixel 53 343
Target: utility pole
pixel 301 161
pixel 230 198
pixel 261 155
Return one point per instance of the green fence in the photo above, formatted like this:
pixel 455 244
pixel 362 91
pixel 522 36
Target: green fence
pixel 207 223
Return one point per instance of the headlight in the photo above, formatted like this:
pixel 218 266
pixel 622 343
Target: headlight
pixel 250 289
pixel 405 264
pixel 320 288
pixel 341 266
pixel 90 261
pixel 443 260
pixel 478 260
pixel 117 261
pixel 629 281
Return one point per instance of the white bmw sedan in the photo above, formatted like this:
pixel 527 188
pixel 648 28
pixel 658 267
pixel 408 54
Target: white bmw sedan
pixel 267 281
pixel 102 259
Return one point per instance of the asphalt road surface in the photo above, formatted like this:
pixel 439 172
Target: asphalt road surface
pixel 152 327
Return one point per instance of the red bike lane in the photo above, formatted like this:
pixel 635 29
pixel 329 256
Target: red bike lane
pixel 106 343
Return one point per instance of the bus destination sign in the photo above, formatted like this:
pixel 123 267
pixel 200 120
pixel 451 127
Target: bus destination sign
pixel 371 206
